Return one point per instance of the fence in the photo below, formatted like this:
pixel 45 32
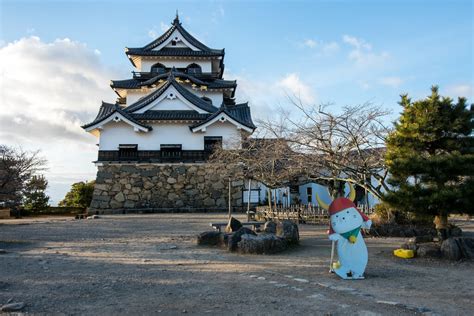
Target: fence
pixel 306 214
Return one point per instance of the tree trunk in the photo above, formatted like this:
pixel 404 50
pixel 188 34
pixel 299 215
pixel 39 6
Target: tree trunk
pixel 441 225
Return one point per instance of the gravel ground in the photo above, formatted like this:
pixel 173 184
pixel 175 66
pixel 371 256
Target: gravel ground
pixel 150 264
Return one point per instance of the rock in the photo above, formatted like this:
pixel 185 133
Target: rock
pixel 119 197
pixel 421 239
pixel 93 217
pixel 455 231
pixel 2 251
pixel 266 244
pixel 450 249
pixel 211 238
pixel 171 180
pixel 288 231
pixel 410 246
pixel 12 307
pixel 233 225
pixel 467 247
pixel 428 250
pixel 270 227
pixel 236 237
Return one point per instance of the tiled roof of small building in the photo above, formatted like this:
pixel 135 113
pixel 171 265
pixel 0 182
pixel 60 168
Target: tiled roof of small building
pixel 172 52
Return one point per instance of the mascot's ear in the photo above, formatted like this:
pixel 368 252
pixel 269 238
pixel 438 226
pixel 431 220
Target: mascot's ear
pixel 364 217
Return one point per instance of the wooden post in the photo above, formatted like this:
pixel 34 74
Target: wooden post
pixel 230 196
pixel 248 202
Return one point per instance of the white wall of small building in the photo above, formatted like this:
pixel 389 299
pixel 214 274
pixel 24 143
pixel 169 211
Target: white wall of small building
pixel 115 133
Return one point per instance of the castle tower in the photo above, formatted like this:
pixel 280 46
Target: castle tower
pixel 154 141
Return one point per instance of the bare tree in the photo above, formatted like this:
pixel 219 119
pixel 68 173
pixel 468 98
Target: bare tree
pixel 267 160
pixel 17 166
pixel 336 147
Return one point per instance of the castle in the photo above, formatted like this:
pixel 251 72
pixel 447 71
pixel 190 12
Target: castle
pixel 154 141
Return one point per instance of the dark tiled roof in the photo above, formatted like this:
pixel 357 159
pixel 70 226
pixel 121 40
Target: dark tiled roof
pixel 170 115
pixel 239 112
pixel 172 52
pixel 147 50
pixel 136 83
pixel 197 101
pixel 108 109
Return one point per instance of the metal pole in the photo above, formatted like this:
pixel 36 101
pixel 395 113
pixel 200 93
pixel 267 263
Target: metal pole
pixel 230 209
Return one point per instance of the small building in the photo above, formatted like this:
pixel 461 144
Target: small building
pixel 154 141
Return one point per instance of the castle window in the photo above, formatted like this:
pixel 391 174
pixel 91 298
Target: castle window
pixel 194 69
pixel 212 142
pixel 128 151
pixel 173 43
pixel 170 150
pixel 158 68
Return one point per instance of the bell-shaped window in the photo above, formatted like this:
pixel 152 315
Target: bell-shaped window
pixel 158 68
pixel 194 69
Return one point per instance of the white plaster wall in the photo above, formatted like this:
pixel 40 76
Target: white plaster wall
pixel 181 42
pixel 206 65
pixel 215 96
pixel 134 95
pixel 115 133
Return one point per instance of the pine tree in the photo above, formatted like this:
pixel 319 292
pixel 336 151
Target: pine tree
pixel 35 198
pixel 80 195
pixel 430 157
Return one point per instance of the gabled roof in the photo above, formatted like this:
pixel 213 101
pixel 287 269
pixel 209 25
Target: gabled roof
pixel 147 50
pixel 137 84
pixel 239 113
pixel 171 81
pixel 107 110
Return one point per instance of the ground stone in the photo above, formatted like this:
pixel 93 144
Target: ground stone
pixel 119 197
pixel 270 227
pixel 12 307
pixel 211 238
pixel 288 231
pixel 450 249
pixel 233 225
pixel 428 250
pixel 236 237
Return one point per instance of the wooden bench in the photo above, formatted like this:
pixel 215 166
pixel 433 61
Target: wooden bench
pixel 255 225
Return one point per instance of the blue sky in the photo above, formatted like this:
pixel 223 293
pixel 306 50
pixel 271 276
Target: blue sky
pixel 340 52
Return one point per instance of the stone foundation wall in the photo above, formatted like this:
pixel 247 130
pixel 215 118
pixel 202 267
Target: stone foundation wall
pixel 156 187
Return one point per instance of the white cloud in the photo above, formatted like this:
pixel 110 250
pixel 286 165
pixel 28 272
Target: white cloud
pixel 461 90
pixel 393 82
pixel 293 85
pixel 330 48
pixel 362 53
pixel 310 43
pixel 48 91
pixel 164 27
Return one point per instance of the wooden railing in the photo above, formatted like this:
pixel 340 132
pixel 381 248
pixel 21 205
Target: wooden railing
pixel 304 214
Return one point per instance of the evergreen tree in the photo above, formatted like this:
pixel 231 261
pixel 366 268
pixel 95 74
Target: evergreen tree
pixel 430 157
pixel 80 195
pixel 35 198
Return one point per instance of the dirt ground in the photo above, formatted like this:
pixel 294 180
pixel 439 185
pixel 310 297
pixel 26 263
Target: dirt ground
pixel 150 264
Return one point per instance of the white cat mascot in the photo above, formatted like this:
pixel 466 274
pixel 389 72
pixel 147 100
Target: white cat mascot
pixel 344 227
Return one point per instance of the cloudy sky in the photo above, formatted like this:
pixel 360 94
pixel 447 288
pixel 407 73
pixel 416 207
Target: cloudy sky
pixel 57 57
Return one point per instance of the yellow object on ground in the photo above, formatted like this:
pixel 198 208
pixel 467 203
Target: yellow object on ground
pixel 404 253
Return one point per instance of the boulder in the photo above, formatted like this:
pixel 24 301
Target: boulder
pixel 236 237
pixel 270 227
pixel 288 231
pixel 421 239
pixel 211 238
pixel 428 250
pixel 450 249
pixel 233 225
pixel 266 244
pixel 467 247
pixel 12 307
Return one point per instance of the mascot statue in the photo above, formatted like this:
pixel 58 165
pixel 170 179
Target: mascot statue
pixel 345 224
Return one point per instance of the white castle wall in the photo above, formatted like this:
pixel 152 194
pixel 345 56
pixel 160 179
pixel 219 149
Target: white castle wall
pixel 216 96
pixel 114 134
